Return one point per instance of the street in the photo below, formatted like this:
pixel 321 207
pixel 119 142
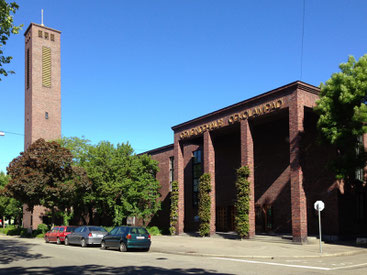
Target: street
pixel 34 256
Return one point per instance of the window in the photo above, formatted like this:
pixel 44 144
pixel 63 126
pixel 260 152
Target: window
pixel 62 229
pixel 40 34
pixel 114 231
pixel 46 35
pixel 359 171
pixel 196 173
pixel 70 229
pixel 79 229
pixel 28 68
pixel 52 37
pixel 46 115
pixel 46 67
pixel 171 172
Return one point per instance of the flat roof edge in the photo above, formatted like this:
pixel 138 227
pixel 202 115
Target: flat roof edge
pixel 162 148
pixel 297 84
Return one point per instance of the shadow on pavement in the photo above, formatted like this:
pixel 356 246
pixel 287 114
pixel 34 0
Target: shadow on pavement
pixel 98 269
pixel 13 250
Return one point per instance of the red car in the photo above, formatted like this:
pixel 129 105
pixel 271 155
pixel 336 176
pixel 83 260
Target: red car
pixel 58 233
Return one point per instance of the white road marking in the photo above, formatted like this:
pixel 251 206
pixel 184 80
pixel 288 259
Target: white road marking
pixel 291 265
pixel 349 266
pixel 278 264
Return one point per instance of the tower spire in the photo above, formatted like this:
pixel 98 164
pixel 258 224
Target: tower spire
pixel 42 17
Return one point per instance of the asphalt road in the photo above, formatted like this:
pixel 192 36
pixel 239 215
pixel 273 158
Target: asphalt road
pixel 33 256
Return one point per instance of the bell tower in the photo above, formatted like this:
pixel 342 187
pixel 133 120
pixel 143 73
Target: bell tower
pixel 42 94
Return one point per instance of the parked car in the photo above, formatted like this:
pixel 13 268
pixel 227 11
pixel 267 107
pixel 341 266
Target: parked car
pixel 125 237
pixel 86 235
pixel 58 233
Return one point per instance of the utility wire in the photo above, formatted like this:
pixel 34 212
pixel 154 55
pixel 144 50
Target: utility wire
pixel 303 34
pixel 6 132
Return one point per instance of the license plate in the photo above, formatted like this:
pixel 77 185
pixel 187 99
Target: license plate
pixel 100 236
pixel 140 237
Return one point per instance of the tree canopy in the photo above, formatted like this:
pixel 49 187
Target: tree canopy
pixel 9 207
pixel 343 115
pixel 43 175
pixel 123 184
pixel 7 27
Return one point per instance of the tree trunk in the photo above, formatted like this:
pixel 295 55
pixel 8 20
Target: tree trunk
pixel 3 221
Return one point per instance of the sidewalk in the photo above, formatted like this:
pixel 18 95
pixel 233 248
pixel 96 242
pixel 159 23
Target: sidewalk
pixel 217 246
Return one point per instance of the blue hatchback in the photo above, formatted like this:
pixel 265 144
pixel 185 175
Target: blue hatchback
pixel 125 237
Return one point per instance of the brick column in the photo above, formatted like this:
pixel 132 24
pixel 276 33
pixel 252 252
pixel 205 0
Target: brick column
pixel 209 167
pixel 298 196
pixel 179 177
pixel 247 159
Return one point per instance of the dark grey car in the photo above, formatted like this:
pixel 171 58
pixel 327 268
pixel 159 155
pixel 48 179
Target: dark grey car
pixel 86 235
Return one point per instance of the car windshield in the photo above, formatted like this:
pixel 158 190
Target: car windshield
pixel 70 229
pixel 96 228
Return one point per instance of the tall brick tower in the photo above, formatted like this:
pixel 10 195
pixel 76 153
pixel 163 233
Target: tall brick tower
pixel 42 95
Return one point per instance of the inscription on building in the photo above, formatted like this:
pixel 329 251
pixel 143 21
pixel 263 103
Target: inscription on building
pixel 202 128
pixel 253 112
pixel 256 111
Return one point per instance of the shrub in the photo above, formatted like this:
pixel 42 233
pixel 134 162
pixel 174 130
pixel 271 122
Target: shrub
pixel 43 228
pixel 204 204
pixel 174 208
pixel 243 202
pixel 154 231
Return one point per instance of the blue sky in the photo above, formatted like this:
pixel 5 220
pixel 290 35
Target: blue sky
pixel 132 69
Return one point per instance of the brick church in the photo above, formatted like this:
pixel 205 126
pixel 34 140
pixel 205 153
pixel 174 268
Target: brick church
pixel 273 133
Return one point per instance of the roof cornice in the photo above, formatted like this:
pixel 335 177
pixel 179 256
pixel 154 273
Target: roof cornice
pixel 291 86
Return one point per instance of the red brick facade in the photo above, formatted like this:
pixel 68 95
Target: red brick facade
pixel 274 134
pixel 42 95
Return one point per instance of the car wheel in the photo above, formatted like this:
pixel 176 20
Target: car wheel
pixel 58 241
pixel 123 247
pixel 146 249
pixel 83 243
pixel 67 241
pixel 103 245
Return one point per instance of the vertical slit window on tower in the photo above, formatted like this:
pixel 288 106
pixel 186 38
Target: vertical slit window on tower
pixel 40 34
pixel 27 68
pixel 46 67
pixel 52 37
pixel 46 35
pixel 46 115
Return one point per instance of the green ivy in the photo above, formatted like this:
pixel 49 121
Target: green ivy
pixel 204 204
pixel 243 202
pixel 174 208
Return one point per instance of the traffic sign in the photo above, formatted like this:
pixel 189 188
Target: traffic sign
pixel 319 205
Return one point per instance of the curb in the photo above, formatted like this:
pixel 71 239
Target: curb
pixel 346 253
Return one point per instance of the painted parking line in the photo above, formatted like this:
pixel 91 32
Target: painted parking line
pixel 292 265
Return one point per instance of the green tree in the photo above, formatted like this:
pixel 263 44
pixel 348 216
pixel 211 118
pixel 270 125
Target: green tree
pixel 7 28
pixel 123 184
pixel 9 207
pixel 205 189
pixel 78 147
pixel 242 202
pixel 43 175
pixel 343 115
